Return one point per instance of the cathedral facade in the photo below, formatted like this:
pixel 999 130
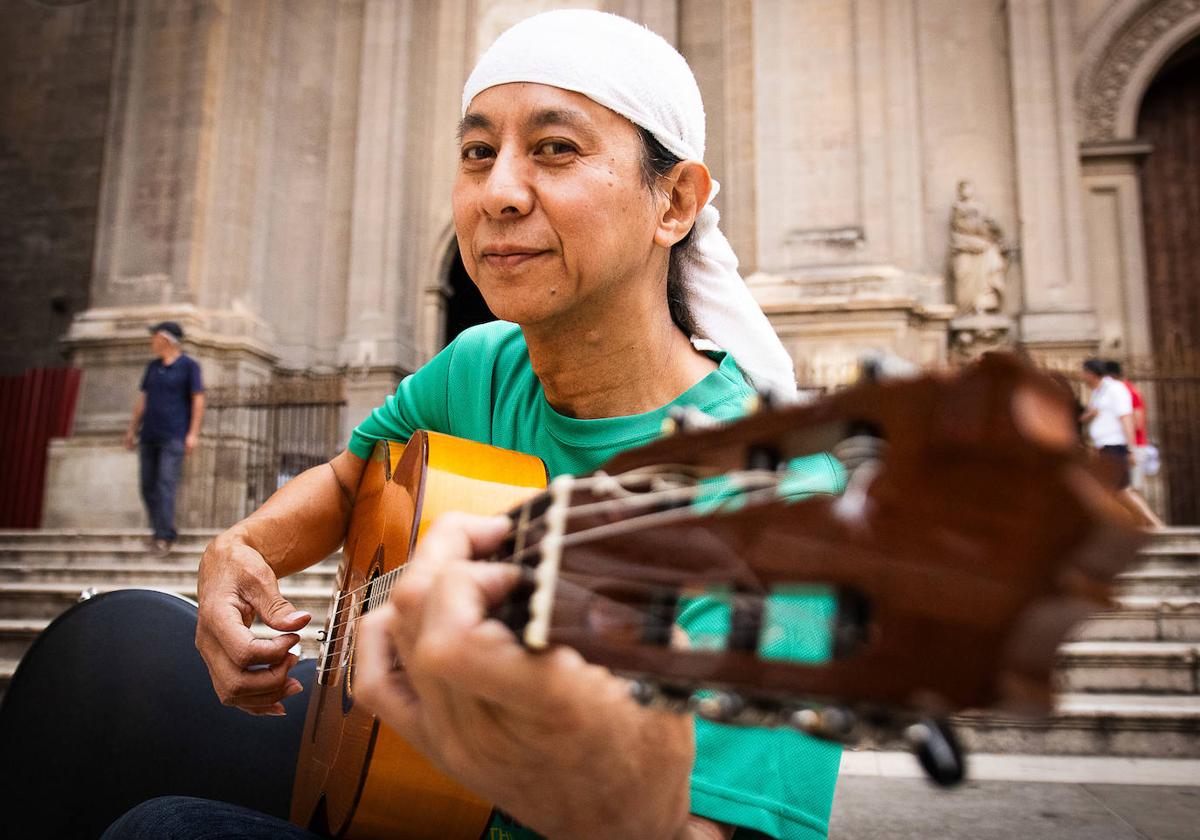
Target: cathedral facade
pixel 931 177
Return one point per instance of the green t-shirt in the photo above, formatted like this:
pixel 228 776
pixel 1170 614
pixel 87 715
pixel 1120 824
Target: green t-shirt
pixel 482 387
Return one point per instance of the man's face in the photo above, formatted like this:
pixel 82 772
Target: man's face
pixel 159 344
pixel 1090 379
pixel 550 208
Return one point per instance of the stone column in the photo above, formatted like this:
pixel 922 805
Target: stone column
pixel 1059 310
pixel 175 233
pixel 379 337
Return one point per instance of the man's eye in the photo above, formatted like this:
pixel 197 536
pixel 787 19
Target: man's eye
pixel 472 153
pixel 555 148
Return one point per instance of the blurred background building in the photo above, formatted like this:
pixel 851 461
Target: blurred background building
pixel 935 177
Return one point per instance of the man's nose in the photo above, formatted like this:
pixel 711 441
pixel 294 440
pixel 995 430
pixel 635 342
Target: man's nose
pixel 507 191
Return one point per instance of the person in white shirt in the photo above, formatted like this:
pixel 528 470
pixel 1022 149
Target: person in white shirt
pixel 1109 419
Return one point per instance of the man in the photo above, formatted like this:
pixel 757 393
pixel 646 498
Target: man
pixel 165 426
pixel 1114 371
pixel 582 212
pixel 1109 418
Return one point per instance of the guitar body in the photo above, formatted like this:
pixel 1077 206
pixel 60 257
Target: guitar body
pixel 355 778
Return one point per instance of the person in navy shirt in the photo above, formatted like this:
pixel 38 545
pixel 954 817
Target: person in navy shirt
pixel 167 415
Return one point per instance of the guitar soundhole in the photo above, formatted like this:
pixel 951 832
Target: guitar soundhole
pixel 363 604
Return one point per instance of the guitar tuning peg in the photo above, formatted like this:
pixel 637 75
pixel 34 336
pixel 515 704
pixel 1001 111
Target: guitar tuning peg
pixel 642 692
pixel 672 697
pixel 833 723
pixel 938 751
pixel 767 398
pixel 763 458
pixel 718 706
pixel 688 418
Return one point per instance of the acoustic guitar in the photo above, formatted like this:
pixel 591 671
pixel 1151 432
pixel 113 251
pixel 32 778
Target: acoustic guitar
pixel 970 537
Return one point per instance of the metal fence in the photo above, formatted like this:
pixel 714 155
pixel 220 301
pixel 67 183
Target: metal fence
pixel 1170 385
pixel 256 438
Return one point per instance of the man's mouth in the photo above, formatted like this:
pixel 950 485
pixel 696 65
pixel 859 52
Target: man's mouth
pixel 509 257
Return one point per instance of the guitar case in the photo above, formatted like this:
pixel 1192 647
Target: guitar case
pixel 112 705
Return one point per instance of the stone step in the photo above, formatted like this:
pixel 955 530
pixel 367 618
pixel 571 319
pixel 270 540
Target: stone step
pixel 1175 557
pixel 47 600
pixel 103 555
pixel 69 539
pixel 1119 667
pixel 155 574
pixel 1181 538
pixel 1166 726
pixel 1145 618
pixel 1157 580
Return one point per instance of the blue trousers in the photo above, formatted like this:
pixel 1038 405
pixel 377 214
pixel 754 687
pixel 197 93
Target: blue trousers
pixel 187 818
pixel 161 465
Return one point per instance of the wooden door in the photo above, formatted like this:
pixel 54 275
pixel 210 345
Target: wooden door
pixel 1170 122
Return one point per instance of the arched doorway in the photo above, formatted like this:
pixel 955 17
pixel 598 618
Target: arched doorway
pixel 1169 122
pixel 464 306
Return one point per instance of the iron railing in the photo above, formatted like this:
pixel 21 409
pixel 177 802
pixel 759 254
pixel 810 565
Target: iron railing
pixel 254 440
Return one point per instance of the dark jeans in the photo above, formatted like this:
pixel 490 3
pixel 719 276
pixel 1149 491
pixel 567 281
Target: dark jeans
pixel 186 818
pixel 161 464
pixel 1118 458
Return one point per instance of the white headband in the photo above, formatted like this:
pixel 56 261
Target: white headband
pixel 634 72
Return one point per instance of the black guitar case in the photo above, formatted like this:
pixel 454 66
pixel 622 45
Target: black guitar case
pixel 112 705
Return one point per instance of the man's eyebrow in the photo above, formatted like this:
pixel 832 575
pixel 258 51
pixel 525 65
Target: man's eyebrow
pixel 544 118
pixel 472 121
pixel 561 116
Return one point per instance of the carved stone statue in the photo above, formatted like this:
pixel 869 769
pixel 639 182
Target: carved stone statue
pixel 977 258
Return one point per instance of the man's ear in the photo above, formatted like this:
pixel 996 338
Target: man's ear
pixel 686 188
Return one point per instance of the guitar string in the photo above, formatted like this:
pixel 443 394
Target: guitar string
pixel 742 481
pixel 681 493
pixel 571 539
pixel 608 529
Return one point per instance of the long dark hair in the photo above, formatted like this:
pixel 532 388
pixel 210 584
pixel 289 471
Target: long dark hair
pixel 657 162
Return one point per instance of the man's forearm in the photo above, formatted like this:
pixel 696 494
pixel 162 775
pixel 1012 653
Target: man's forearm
pixel 135 419
pixel 197 414
pixel 305 520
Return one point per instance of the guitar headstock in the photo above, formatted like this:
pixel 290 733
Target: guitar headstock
pixel 970 537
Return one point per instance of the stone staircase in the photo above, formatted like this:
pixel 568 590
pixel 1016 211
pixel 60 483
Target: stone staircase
pixel 43 573
pixel 1129 681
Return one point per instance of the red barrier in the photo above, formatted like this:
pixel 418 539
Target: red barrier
pixel 34 407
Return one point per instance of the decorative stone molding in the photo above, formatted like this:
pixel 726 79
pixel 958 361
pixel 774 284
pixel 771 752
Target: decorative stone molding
pixel 973 335
pixel 1127 65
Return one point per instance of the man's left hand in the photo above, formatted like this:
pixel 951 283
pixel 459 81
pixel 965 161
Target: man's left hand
pixel 553 740
pixel 189 442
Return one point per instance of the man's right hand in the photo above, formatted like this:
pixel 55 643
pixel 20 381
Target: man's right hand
pixel 129 440
pixel 235 585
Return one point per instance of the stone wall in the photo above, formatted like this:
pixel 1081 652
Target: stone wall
pixel 54 89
